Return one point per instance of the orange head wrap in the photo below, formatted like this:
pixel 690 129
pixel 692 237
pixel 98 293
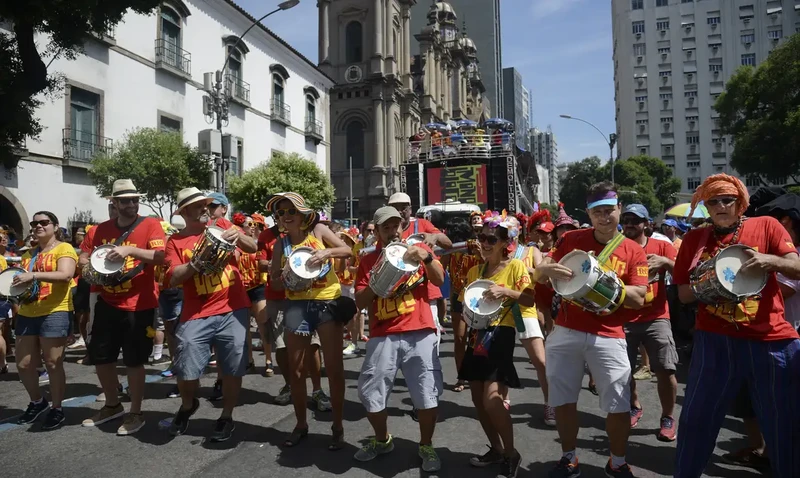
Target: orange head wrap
pixel 722 185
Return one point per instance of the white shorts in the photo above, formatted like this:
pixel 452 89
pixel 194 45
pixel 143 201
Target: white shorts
pixel 533 330
pixel 347 291
pixel 566 353
pixel 435 313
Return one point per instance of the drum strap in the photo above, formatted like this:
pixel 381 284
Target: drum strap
pixel 514 309
pixel 136 270
pixel 35 284
pixel 287 251
pixel 612 246
pixel 416 227
pixel 521 252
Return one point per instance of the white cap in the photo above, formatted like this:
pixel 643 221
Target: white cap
pixel 177 222
pixel 400 198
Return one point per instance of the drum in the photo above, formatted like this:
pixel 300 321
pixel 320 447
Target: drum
pixel 212 252
pixel 653 275
pixel 479 313
pixel 102 271
pixel 21 293
pixel 415 239
pixel 390 275
pixel 718 280
pixel 297 276
pixel 592 286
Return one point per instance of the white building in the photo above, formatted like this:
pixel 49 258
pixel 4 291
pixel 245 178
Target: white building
pixel 545 153
pixel 543 192
pixel 671 61
pixel 148 72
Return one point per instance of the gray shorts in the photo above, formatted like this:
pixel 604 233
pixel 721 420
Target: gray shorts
pixel 416 354
pixel 227 333
pixel 656 336
pixel 275 329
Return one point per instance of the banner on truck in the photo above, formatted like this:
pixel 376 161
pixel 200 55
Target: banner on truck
pixel 461 183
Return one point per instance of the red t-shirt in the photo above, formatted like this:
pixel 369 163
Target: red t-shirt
pixel 141 292
pixel 423 226
pixel 753 319
pixel 655 301
pixel 206 295
pixel 628 261
pixel 266 243
pixel 402 314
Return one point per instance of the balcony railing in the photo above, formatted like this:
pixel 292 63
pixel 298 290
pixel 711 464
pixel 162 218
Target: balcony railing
pixel 461 145
pixel 313 128
pixel 83 146
pixel 237 88
pixel 281 112
pixel 106 35
pixel 170 57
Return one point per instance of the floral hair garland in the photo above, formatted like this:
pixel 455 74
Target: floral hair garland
pixel 494 219
pixel 239 219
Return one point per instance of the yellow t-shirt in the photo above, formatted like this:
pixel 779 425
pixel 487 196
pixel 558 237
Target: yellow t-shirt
pixel 327 288
pixel 3 263
pixel 514 276
pixel 53 296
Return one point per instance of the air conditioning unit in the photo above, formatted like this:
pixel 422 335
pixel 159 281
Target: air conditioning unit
pixel 638 35
pixel 689 76
pixel 693 148
pixel 641 104
pixel 715 48
pixel 746 21
pixel 775 40
pixel 664 78
pixel 639 58
pixel 748 44
pixel 691 99
pixel 713 26
pixel 663 32
pixel 642 127
pixel 691 124
pixel 688 29
pixel 663 56
pixel 688 53
pixel 716 73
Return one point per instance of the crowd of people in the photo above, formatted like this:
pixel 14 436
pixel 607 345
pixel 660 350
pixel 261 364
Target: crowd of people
pixel 175 287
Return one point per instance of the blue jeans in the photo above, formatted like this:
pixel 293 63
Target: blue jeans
pixel 51 326
pixel 303 317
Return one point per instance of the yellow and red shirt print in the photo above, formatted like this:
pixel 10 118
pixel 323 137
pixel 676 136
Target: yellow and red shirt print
pixel 53 296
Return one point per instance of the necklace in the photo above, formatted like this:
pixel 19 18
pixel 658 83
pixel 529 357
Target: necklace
pixel 722 233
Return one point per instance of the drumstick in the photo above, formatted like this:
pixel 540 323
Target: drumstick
pixel 457 247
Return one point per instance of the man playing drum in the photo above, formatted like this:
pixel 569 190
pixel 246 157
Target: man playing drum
pixel 214 312
pixel 583 337
pixel 739 343
pixel 124 311
pixel 650 325
pixel 402 332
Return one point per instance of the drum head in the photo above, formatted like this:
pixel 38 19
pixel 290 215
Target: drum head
pixel 6 278
pixel 102 264
pixel 580 263
pixel 414 239
pixel 729 262
pixel 394 254
pixel 298 261
pixel 474 301
pixel 216 232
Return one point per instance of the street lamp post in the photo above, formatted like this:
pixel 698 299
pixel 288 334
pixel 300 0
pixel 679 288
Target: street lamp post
pixel 216 102
pixel 611 140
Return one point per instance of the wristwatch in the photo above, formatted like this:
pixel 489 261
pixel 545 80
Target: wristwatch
pixel 428 259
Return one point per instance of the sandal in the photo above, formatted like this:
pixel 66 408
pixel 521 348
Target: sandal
pixel 297 435
pixel 460 386
pixel 337 440
pixel 269 371
pixel 593 389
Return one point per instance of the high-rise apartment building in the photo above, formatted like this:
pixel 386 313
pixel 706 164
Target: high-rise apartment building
pixel 545 153
pixel 482 21
pixel 516 106
pixel 671 61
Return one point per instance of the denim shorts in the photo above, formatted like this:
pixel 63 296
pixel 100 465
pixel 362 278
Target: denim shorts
pixel 51 326
pixel 303 317
pixel 227 333
pixel 5 310
pixel 256 294
pixel 170 303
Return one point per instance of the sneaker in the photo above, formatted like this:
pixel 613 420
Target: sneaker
pixel 510 466
pixel 643 373
pixel 223 430
pixel 747 457
pixel 565 469
pixel 350 349
pixel 322 401
pixel 44 378
pixel 414 414
pixel 491 457
pixel 251 367
pixel 133 423
pixel 216 392
pixel 161 360
pixel 624 471
pixel 78 344
pixel 284 396
pixel 4 369
pixel 105 414
pixel 636 415
pixel 33 411
pixel 168 373
pixel 374 448
pixel 507 404
pixel 174 393
pixel 667 432
pixel 430 460
pixel 53 420
pixel 181 420
pixel 268 370
pixel 85 361
pixel 549 416
pixel 213 361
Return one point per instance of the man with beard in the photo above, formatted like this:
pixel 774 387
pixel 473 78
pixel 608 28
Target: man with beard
pixel 215 312
pixel 125 310
pixel 651 326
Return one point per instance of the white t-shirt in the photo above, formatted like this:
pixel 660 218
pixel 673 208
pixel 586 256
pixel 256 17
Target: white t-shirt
pixel 792 304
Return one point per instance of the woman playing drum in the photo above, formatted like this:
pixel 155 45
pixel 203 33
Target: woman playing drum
pixel 311 310
pixel 44 319
pixel 489 362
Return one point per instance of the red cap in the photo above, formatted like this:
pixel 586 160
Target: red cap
pixel 546 227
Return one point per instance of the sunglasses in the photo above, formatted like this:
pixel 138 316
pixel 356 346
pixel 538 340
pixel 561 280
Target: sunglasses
pixel 291 211
pixel 491 240
pixel 723 201
pixel 128 200
pixel 633 221
pixel 43 223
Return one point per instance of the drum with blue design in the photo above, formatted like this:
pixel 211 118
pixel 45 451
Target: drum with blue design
pixel 479 312
pixel 719 280
pixel 592 286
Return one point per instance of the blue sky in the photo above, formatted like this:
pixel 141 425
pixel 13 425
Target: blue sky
pixel 562 48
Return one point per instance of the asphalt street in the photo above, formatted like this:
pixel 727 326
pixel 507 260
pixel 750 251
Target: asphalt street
pixel 254 450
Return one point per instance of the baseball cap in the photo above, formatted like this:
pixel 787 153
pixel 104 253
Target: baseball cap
pixel 385 213
pixel 670 222
pixel 546 227
pixel 219 199
pixel 399 198
pixel 637 210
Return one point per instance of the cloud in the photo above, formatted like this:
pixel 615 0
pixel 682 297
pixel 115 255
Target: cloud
pixel 544 8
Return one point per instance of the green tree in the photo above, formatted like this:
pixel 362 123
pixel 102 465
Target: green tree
pixel 282 173
pixel 580 175
pixel 665 184
pixel 42 31
pixel 553 208
pixel 160 164
pixel 760 108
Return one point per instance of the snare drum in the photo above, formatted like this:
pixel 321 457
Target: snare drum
pixel 718 280
pixel 21 293
pixel 592 286
pixel 212 252
pixel 390 275
pixel 479 313
pixel 297 275
pixel 415 239
pixel 102 271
